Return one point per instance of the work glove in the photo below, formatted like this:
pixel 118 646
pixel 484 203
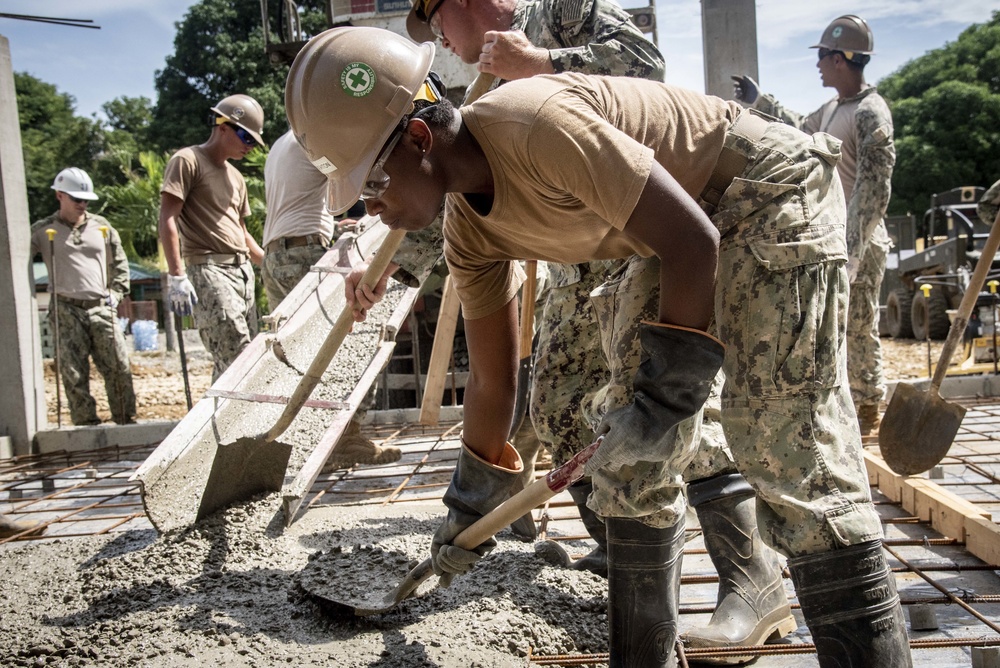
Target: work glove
pixel 182 295
pixel 671 385
pixel 745 89
pixel 477 487
pixel 112 300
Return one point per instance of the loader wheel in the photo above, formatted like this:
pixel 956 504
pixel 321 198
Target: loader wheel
pixel 930 315
pixel 897 313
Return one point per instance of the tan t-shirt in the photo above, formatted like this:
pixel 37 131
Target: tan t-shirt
pixel 570 155
pixel 81 255
pixel 215 202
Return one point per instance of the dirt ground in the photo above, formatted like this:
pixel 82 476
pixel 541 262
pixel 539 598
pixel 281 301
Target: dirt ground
pixel 159 385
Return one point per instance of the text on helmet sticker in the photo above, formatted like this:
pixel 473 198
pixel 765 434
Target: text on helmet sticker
pixel 357 79
pixel 324 165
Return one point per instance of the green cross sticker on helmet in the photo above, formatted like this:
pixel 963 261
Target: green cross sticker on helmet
pixel 358 79
pixel 837 32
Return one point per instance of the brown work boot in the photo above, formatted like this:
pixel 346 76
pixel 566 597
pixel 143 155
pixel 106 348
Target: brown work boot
pixel 868 418
pixel 9 527
pixel 353 449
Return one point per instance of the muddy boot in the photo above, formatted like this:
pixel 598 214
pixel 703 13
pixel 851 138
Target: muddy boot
pixel 644 575
pixel 868 418
pixel 751 606
pixel 597 560
pixel 9 527
pixel 353 449
pixel 851 607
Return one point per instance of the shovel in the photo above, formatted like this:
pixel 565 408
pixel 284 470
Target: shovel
pixel 524 526
pixel 918 428
pixel 316 577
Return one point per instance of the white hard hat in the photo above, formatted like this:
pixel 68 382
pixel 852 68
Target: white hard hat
pixel 74 182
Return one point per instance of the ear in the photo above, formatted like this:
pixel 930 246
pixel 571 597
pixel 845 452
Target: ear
pixel 420 134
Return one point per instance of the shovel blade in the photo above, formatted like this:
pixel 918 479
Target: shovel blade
pixel 917 430
pixel 242 469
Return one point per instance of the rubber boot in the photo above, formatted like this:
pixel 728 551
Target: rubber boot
pixel 527 444
pixel 597 560
pixel 752 606
pixel 644 576
pixel 353 449
pixel 850 604
pixel 868 418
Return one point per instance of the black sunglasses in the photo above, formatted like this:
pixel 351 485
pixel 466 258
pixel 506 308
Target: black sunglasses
pixel 78 200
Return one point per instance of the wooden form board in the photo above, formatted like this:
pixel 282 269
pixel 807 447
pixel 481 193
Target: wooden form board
pixel 948 513
pixel 444 339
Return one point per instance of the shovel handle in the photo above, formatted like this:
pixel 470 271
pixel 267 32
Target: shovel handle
pixel 331 344
pixel 968 302
pixel 526 500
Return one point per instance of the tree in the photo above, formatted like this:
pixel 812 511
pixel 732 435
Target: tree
pixel 125 136
pixel 133 207
pixel 946 112
pixel 53 138
pixel 219 51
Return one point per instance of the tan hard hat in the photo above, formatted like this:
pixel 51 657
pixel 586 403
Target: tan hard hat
pixel 244 111
pixel 849 34
pixel 416 21
pixel 346 91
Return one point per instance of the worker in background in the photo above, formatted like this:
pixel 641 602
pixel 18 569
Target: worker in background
pixel 989 204
pixel 203 206
pixel 608 167
pixel 860 119
pixel 91 278
pixel 514 39
pixel 297 234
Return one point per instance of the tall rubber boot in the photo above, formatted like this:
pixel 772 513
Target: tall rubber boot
pixel 752 606
pixel 597 560
pixel 644 577
pixel 850 604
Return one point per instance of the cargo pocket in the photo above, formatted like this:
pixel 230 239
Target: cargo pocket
pixel 746 203
pixel 790 324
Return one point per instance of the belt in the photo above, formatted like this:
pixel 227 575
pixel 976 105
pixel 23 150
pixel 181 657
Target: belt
pixel 235 259
pixel 82 303
pixel 731 162
pixel 294 242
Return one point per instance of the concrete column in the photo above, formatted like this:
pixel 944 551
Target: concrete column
pixel 22 392
pixel 729 31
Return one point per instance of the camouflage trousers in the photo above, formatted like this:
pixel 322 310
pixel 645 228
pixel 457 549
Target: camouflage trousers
pixel 226 312
pixel 86 333
pixel 864 349
pixel 781 309
pixel 281 271
pixel 284 268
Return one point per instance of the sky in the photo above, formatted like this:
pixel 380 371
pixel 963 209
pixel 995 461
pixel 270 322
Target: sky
pixel 97 66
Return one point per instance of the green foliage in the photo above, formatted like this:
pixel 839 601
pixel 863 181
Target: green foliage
pixel 133 207
pixel 219 51
pixel 946 112
pixel 52 138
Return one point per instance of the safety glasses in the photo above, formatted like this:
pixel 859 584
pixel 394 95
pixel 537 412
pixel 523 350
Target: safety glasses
pixel 434 21
pixel 378 181
pixel 244 135
pixel 78 200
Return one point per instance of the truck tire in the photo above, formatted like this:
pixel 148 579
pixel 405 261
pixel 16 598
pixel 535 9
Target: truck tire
pixel 897 313
pixel 929 315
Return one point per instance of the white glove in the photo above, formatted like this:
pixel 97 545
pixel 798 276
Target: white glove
pixel 182 295
pixel 112 300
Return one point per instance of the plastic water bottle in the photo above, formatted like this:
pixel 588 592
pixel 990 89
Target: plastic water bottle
pixel 144 335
